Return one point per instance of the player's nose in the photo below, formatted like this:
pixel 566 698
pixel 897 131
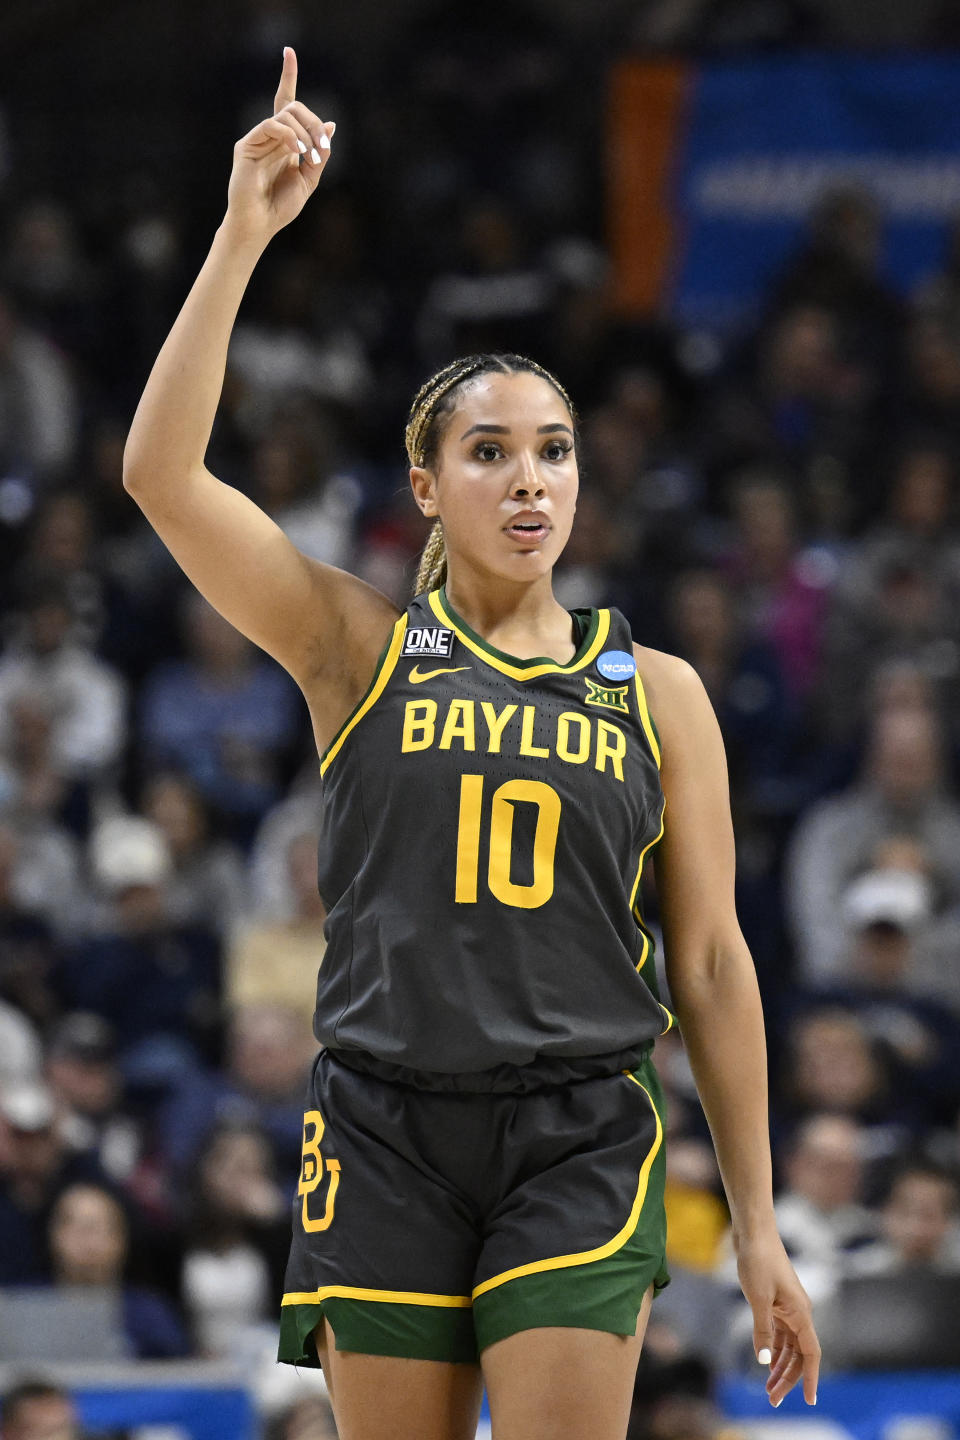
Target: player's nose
pixel 527 479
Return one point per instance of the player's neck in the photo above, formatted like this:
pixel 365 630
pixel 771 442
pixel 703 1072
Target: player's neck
pixel 525 621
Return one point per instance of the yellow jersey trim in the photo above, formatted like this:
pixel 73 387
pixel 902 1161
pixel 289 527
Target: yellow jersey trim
pixel 377 687
pixel 645 717
pixel 636 887
pixel 586 1257
pixel 394 1297
pixel 526 672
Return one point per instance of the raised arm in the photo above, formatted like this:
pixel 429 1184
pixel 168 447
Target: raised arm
pixel 309 616
pixel 713 989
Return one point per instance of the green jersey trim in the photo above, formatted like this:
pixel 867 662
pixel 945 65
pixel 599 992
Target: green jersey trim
pixel 589 648
pixel 385 666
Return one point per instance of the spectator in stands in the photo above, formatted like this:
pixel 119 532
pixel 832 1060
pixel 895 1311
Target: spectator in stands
pixel 295 482
pixel 36 1164
pixel 236 1246
pixel 228 716
pixel 745 681
pixel 133 562
pixel 89 1242
pixel 38 874
pixel 646 487
pixel 833 1068
pixel 820 1209
pixel 884 910
pixel 36 1409
pixel 207 885
pixel 276 962
pixel 903 791
pixel 54 281
pixel 279 353
pixel 897 596
pixel 802 397
pixel 838 267
pixel 918 1221
pixel 782 590
pixel 269 1049
pixel 583 577
pixel 38 402
pixel 496 296
pixel 157 983
pixel 64 542
pixel 928 395
pixel 84 697
pixel 87 1085
pixel 271 879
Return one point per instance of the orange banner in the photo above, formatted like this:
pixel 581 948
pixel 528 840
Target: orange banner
pixel 646 115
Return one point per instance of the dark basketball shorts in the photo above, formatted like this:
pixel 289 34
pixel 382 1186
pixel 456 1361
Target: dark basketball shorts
pixel 430 1224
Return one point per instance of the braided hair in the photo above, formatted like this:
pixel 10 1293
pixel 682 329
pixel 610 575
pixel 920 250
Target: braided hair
pixel 435 400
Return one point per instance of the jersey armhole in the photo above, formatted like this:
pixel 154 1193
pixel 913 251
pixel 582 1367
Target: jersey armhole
pixel 385 666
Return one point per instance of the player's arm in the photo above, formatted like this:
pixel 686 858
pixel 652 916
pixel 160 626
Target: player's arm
pixel 298 609
pixel 713 988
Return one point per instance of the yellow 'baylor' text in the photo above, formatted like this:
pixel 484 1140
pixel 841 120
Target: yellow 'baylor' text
pixel 577 738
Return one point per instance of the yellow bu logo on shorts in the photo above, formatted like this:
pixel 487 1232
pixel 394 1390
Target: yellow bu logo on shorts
pixel 312 1170
pixel 611 697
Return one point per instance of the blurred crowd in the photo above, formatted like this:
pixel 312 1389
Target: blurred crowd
pixel 779 504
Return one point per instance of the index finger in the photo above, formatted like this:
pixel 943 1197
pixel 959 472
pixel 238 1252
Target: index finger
pixel 287 89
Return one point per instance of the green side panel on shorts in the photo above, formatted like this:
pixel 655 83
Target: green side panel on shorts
pixel 376 1327
pixel 603 1294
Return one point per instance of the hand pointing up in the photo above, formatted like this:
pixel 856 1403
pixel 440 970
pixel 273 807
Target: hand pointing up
pixel 278 164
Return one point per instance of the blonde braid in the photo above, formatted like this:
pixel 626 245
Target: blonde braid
pixel 427 400
pixel 432 570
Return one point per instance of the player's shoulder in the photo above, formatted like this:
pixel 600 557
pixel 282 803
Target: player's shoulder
pixel 664 674
pixel 674 690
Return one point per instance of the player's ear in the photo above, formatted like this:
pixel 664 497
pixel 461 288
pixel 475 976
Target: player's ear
pixel 423 482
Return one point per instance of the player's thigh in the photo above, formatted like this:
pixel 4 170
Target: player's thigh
pixel 562 1383
pixel 374 1396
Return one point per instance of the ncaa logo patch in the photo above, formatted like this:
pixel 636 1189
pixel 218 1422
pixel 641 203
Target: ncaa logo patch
pixel 616 665
pixel 436 641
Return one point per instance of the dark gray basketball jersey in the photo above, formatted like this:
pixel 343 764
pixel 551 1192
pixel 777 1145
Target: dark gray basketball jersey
pixel 484 829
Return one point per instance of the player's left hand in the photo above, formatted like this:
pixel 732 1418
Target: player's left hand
pixel 782 1321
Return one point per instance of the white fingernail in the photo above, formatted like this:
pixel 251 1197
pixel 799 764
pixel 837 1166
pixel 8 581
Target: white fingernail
pixel 324 143
pixel 764 1356
pixel 301 147
pixel 315 156
pixel 778 1403
pixel 333 129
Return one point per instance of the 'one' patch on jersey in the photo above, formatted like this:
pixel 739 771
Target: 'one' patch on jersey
pixel 433 640
pixel 611 697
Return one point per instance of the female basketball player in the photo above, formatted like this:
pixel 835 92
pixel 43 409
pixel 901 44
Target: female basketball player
pixel 481 1192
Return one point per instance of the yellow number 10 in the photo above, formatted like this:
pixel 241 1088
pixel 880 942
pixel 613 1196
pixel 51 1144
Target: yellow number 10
pixel 547 801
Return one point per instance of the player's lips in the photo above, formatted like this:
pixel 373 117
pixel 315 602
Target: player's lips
pixel 529 526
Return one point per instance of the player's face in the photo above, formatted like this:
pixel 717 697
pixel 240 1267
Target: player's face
pixel 506 480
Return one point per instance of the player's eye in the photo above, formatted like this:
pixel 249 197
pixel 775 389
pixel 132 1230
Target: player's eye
pixel 557 449
pixel 486 451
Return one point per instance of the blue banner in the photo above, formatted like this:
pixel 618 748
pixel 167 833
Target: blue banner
pixel 760 140
pixel 866 1406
